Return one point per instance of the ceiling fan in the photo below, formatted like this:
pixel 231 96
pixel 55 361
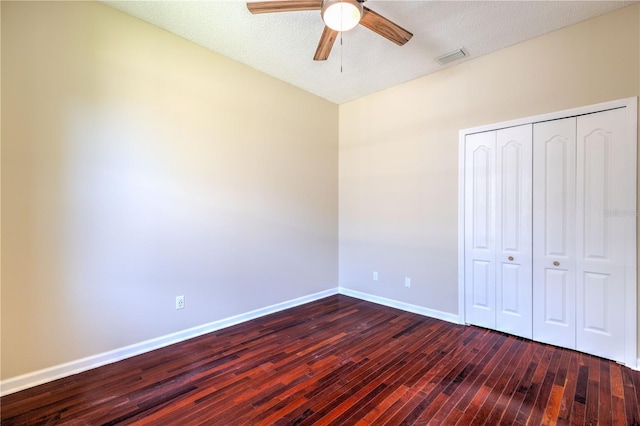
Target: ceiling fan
pixel 338 15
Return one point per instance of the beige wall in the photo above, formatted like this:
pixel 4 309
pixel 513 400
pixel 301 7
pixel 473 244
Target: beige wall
pixel 137 166
pixel 399 148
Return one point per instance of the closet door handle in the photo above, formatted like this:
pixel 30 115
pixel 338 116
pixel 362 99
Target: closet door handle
pixel 510 257
pixel 556 263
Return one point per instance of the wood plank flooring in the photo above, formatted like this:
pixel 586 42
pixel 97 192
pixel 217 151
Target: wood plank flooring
pixel 341 361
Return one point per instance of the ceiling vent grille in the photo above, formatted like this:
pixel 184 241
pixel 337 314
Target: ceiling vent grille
pixel 447 58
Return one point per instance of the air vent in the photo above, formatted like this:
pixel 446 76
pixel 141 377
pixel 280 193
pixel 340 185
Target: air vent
pixel 447 58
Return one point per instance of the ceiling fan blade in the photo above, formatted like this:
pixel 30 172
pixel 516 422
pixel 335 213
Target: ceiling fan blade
pixel 283 6
pixel 326 43
pixel 387 29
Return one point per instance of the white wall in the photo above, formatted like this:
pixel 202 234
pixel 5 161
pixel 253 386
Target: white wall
pixel 399 149
pixel 137 166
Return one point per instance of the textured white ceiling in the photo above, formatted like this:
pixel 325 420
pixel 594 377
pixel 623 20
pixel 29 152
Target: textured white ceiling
pixel 282 44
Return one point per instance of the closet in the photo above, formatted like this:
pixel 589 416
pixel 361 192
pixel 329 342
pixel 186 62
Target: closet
pixel 548 229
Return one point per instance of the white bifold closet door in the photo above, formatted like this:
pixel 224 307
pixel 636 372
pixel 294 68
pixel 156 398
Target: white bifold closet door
pixel 498 224
pixel 479 224
pixel 580 179
pixel 554 199
pixel 603 173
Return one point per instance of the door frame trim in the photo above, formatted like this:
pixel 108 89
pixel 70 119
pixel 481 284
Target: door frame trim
pixel 632 355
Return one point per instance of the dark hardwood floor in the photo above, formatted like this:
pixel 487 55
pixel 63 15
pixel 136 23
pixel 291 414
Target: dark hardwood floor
pixel 341 361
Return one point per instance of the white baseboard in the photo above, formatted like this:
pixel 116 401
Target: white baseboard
pixel 39 377
pixel 444 316
pixel 35 378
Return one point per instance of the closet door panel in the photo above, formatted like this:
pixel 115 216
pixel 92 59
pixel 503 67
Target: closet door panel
pixel 600 264
pixel 513 230
pixel 554 291
pixel 480 229
pixel 556 306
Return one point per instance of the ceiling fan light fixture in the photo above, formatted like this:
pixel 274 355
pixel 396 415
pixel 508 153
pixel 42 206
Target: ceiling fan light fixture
pixel 341 15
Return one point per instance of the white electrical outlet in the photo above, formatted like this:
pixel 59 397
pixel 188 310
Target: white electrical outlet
pixel 375 276
pixel 407 282
pixel 179 302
